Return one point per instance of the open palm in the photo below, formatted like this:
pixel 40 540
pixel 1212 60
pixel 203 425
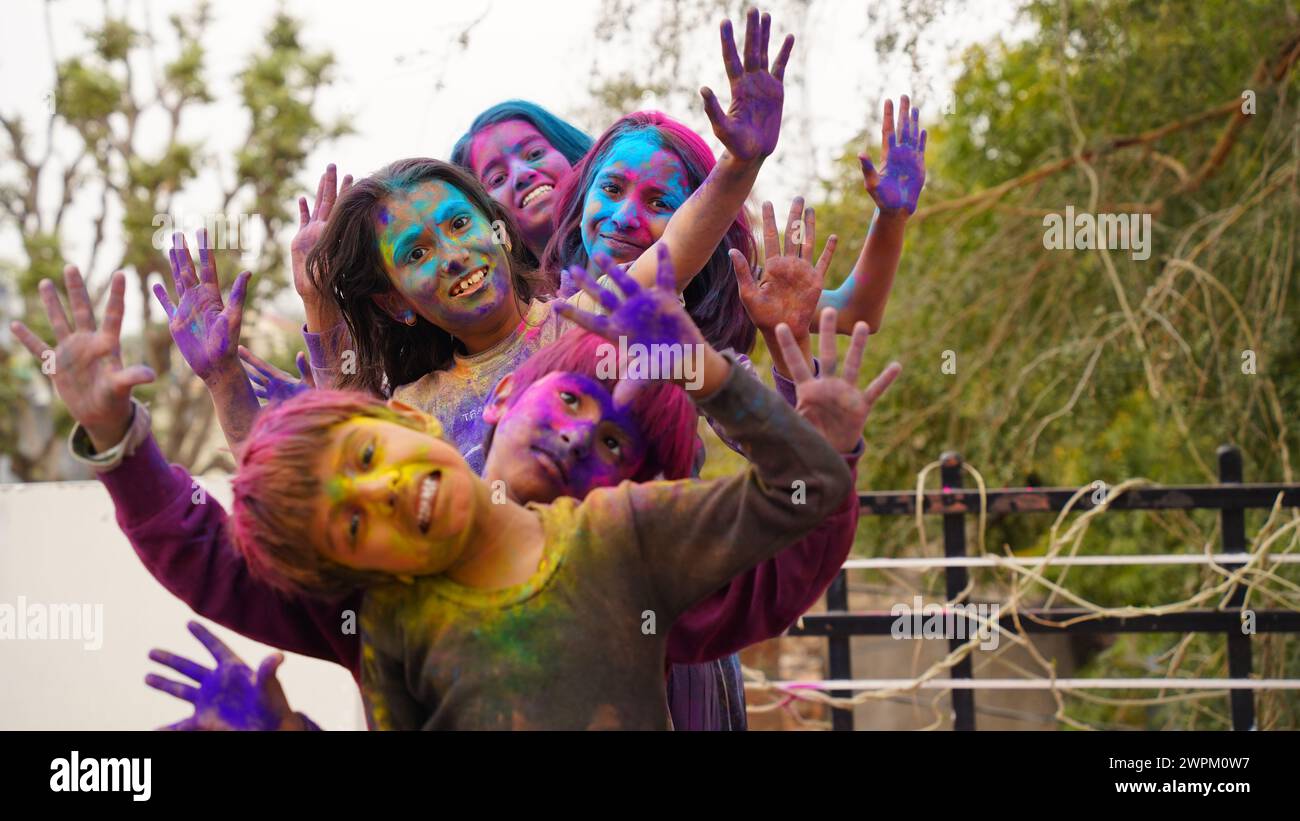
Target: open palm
pixel 833 404
pixel 898 186
pixel 86 364
pixel 752 122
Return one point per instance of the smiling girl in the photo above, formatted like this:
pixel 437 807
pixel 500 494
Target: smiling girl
pixel 522 153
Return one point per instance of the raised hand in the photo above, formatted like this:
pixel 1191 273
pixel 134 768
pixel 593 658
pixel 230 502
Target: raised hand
pixel 205 330
pixel 311 224
pixel 899 188
pixel 230 697
pixel 790 284
pixel 641 316
pixel 271 383
pixel 751 124
pixel 86 367
pixel 832 404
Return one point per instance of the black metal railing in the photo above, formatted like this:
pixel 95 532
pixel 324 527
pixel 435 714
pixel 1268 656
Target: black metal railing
pixel 1231 497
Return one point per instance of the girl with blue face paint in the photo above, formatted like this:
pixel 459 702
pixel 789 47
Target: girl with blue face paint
pixel 522 154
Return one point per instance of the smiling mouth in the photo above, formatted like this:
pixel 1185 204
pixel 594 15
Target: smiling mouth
pixel 469 284
pixel 536 194
pixel 424 503
pixel 619 241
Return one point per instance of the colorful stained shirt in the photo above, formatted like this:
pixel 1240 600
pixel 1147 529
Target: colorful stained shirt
pixel 582 643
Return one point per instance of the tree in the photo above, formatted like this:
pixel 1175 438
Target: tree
pixel 108 103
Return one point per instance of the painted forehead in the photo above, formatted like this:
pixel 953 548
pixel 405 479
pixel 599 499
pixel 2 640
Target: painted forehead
pixel 508 137
pixel 642 155
pixel 408 211
pixel 586 386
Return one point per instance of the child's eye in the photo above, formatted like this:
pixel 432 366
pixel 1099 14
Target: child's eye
pixel 416 255
pixel 536 154
pixel 569 399
pixel 496 180
pixel 661 205
pixel 614 446
pixel 609 188
pixel 460 223
pixel 354 526
pixel 367 455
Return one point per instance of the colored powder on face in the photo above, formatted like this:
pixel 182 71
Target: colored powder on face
pixel 646 184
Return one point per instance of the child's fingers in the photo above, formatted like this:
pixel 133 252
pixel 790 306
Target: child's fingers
pixel 345 185
pixel 54 309
pixel 915 131
pixel 234 309
pixel 744 276
pixel 218 648
pixel 904 117
pixel 792 232
pixel 771 240
pixel 267 669
pixel 870 177
pixel 794 361
pixel 826 342
pixel 257 378
pixel 881 383
pixel 207 266
pixel 180 664
pixel 809 243
pixel 304 216
pixel 113 309
pixel 730 57
pixel 603 296
pixel 887 125
pixel 921 145
pixel 330 191
pixel 713 110
pixel 824 261
pixel 320 192
pixel 184 262
pixel 764 36
pixel 665 275
pixel 165 301
pixel 127 378
pixel 857 347
pixel 783 57
pixel 174 688
pixel 33 343
pixel 750 48
pixel 618 274
pixel 598 325
pixel 83 316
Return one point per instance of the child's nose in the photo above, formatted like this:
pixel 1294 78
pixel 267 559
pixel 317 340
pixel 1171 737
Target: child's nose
pixel 577 438
pixel 628 215
pixel 378 488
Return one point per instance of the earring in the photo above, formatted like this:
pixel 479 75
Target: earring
pixel 408 317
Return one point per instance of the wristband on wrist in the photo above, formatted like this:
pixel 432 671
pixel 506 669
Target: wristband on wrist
pixel 83 450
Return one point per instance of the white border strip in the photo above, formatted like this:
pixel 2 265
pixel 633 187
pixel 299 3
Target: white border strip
pixel 1036 684
pixel 921 563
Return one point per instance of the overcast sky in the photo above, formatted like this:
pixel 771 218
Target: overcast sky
pixel 391 54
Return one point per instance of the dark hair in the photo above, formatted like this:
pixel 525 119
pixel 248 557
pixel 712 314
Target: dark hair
pixel 346 265
pixel 563 137
pixel 663 412
pixel 712 299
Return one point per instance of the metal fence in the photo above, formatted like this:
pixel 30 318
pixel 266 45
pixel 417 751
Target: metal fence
pixel 1231 497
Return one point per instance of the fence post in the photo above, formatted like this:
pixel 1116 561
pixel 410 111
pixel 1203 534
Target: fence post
pixel 839 657
pixel 956 579
pixel 1233 525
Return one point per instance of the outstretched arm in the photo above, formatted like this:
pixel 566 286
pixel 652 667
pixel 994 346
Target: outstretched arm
pixel 863 295
pixel 748 130
pixel 206 332
pixel 178 531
